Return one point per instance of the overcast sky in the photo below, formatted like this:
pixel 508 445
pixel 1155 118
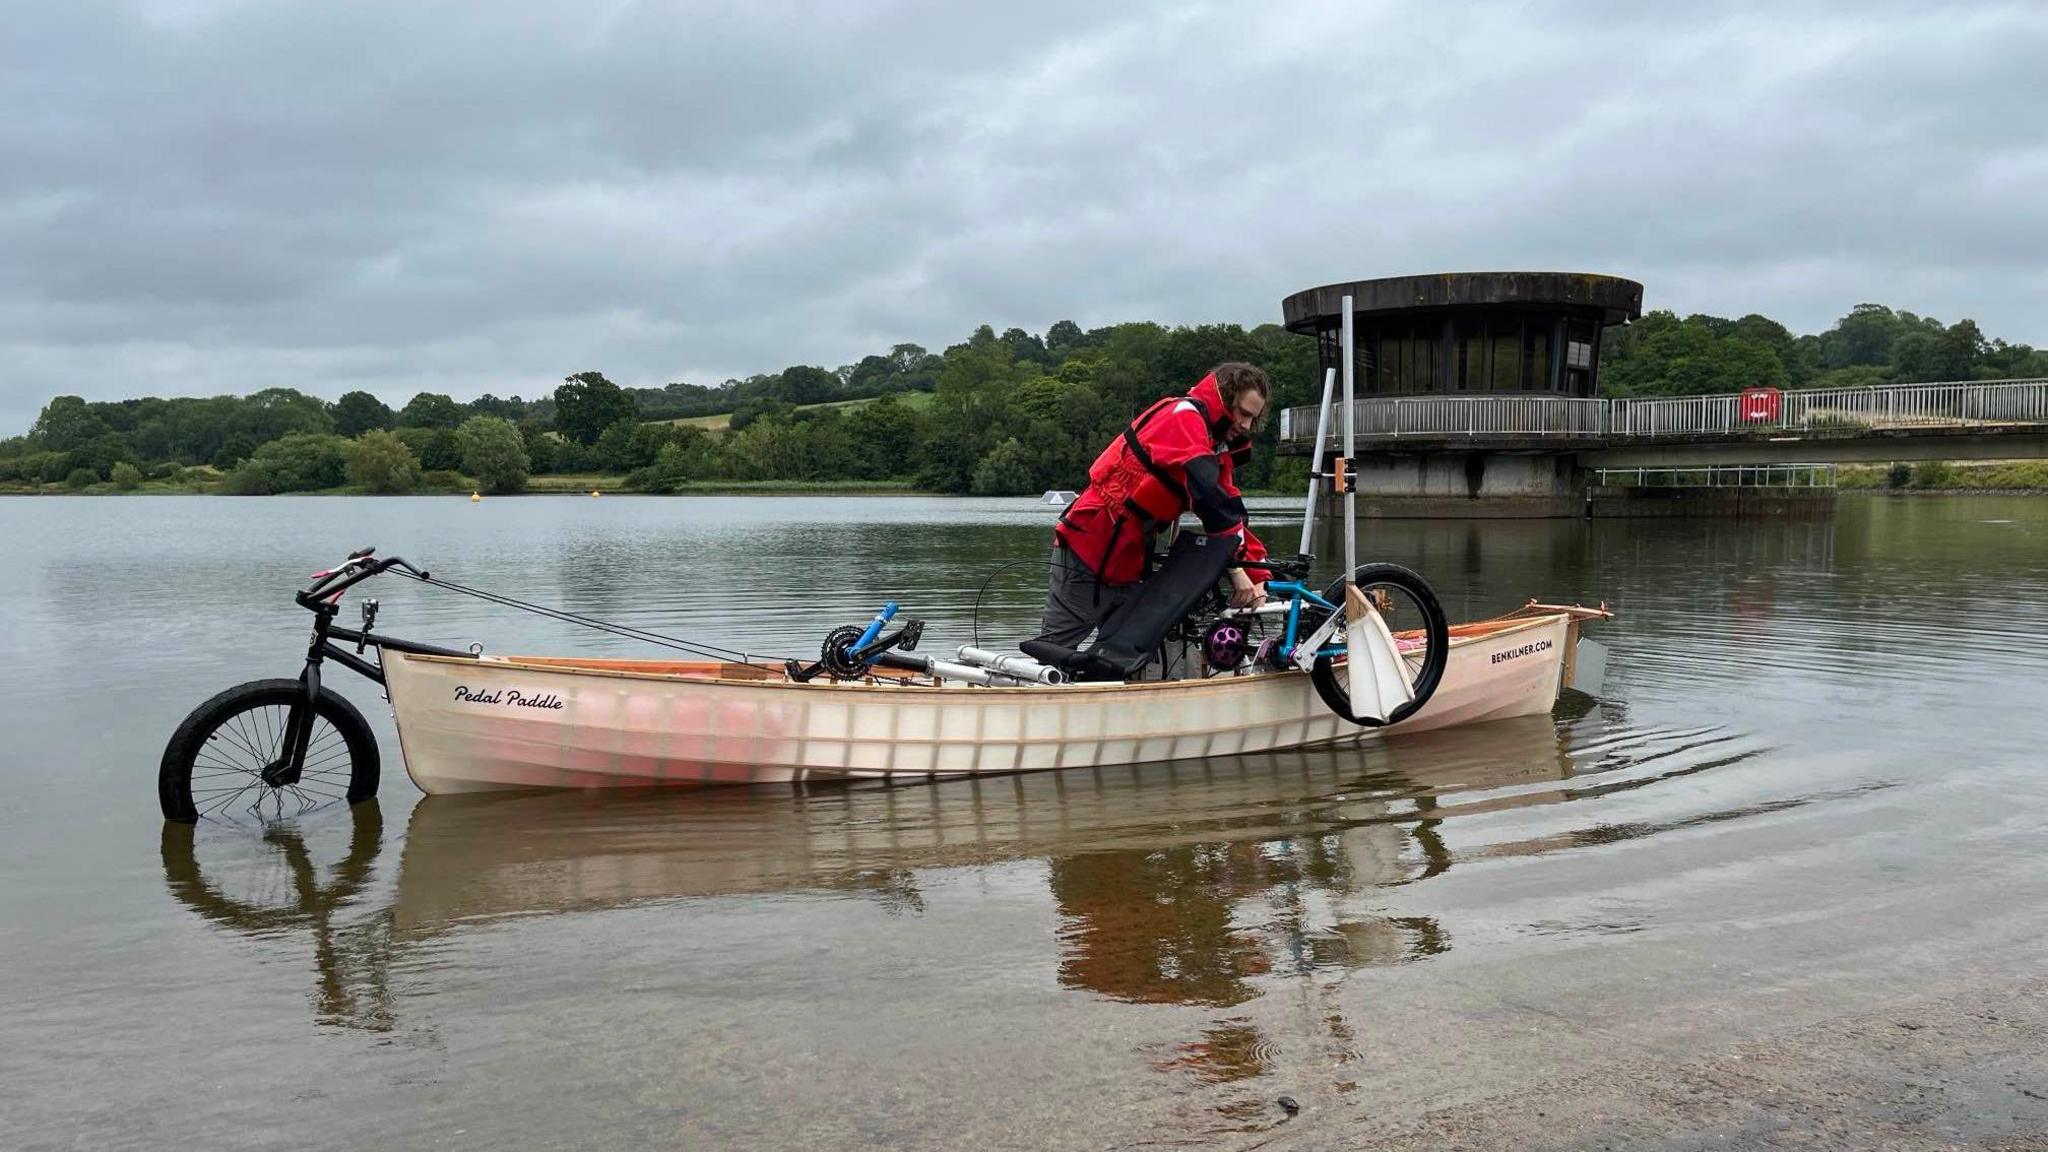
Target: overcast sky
pixel 200 196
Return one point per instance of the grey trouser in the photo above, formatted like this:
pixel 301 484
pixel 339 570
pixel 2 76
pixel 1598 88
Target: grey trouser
pixel 1076 603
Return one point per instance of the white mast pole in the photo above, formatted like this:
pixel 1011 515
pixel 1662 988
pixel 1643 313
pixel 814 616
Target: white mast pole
pixel 1350 447
pixel 1308 514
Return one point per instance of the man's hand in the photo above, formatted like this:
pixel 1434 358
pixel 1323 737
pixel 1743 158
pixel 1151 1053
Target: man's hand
pixel 1244 592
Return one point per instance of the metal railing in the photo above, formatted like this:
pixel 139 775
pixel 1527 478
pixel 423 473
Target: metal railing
pixel 1960 404
pixel 1953 405
pixel 1394 417
pixel 1719 476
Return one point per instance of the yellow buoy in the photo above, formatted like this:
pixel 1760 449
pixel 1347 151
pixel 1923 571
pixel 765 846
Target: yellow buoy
pixel 475 496
pixel 594 492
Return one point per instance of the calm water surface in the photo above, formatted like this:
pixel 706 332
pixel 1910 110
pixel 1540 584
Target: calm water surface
pixel 1815 781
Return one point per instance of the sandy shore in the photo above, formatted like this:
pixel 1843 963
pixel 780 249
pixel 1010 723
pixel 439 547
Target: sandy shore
pixel 1967 1069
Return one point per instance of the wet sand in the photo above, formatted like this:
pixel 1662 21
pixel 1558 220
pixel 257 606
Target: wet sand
pixel 1964 1069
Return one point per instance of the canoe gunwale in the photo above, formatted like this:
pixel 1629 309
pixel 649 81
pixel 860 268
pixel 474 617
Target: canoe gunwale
pixel 1493 629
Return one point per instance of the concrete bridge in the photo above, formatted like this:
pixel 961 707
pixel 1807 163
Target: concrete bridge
pixel 1531 455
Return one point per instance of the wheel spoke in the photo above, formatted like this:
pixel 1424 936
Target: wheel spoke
pixel 223 776
pixel 236 735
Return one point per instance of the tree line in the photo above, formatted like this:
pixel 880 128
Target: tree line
pixel 997 414
pixel 1663 355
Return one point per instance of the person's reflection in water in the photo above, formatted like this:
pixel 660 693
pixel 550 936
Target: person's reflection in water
pixel 1154 926
pixel 1169 925
pixel 351 960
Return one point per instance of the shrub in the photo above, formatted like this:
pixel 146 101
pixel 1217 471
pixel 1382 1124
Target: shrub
pixel 10 470
pixel 442 480
pixel 164 471
pixel 1898 475
pixel 234 448
pixel 55 466
pixel 253 478
pixel 669 472
pixel 81 478
pixel 493 452
pixel 379 461
pixel 1933 474
pixel 126 476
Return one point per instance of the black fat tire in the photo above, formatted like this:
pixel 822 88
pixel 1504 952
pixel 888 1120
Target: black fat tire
pixel 174 776
pixel 1436 631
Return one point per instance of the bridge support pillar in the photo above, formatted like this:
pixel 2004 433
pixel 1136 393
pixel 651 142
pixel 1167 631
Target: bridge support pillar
pixel 1464 485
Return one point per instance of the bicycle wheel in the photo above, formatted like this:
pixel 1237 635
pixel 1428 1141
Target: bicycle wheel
pixel 213 766
pixel 1410 607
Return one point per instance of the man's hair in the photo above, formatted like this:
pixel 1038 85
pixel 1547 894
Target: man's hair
pixel 1236 378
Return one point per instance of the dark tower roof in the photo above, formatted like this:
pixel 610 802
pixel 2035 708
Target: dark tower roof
pixel 1617 300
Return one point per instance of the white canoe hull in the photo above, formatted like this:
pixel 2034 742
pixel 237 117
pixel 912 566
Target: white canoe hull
pixel 514 722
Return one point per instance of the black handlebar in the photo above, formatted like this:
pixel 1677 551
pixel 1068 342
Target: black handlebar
pixel 320 594
pixel 1295 569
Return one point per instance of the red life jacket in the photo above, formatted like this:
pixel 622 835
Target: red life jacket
pixel 1138 485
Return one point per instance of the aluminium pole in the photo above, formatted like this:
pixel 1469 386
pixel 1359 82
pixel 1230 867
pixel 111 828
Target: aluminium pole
pixel 1350 447
pixel 1315 461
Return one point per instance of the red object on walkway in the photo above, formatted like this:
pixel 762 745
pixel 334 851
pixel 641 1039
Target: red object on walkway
pixel 1760 404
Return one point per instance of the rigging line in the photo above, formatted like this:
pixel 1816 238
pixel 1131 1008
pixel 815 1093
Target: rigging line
pixel 713 651
pixel 975 618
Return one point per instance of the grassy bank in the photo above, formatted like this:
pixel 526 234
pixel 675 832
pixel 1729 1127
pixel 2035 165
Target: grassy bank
pixel 212 483
pixel 1945 476
pixel 719 422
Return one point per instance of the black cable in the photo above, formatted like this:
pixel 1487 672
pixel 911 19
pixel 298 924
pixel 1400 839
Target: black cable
pixel 975 619
pixel 712 651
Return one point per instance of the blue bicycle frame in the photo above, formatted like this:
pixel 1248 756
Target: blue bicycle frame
pixel 1296 593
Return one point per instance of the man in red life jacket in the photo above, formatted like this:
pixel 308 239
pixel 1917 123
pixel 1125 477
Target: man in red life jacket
pixel 1177 456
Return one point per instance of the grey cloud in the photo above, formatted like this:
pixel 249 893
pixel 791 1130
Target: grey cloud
pixel 219 196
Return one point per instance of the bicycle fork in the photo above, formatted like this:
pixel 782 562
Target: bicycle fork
pixel 284 771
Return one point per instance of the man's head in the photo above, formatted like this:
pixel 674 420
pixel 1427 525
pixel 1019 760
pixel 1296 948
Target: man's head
pixel 1244 390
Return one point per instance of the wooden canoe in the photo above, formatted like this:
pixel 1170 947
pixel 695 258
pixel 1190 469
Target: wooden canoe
pixel 516 722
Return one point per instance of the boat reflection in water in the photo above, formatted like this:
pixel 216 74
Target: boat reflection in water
pixel 1154 870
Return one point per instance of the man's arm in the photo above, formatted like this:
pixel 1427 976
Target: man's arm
pixel 1215 501
pixel 1221 509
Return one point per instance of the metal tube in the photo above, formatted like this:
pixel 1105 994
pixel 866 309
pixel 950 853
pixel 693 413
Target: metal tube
pixel 1350 444
pixel 948 670
pixel 1315 461
pixel 1022 667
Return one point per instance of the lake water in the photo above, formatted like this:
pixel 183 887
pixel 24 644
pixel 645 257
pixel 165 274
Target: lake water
pixel 1814 785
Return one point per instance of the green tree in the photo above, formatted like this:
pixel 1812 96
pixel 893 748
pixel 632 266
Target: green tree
pixel 1864 336
pixel 586 404
pixel 629 445
pixel 359 412
pixel 1005 471
pixel 100 454
pixel 65 423
pixel 493 453
pixel 670 471
pixel 1063 339
pixel 126 476
pixel 81 478
pixel 274 412
pixel 441 451
pixel 298 462
pixel 804 384
pixel 541 456
pixel 430 410
pixel 378 461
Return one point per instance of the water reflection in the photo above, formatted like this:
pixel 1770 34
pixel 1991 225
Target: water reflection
pixel 276 887
pixel 1194 883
